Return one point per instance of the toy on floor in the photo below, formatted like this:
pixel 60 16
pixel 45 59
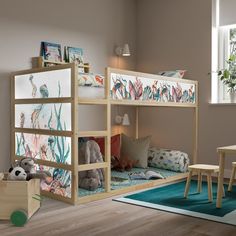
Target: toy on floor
pixel 89 152
pixel 123 163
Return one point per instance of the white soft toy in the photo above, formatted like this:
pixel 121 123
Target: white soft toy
pixel 17 173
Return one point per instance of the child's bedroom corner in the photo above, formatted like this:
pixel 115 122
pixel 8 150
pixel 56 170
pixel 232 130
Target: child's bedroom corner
pixel 107 127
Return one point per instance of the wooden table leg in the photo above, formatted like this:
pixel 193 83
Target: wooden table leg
pixel 220 180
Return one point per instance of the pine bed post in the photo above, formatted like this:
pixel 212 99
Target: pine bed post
pixel 195 126
pixel 74 138
pixel 137 122
pixel 108 137
pixel 12 119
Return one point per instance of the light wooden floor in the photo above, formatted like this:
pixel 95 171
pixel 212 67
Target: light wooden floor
pixel 109 218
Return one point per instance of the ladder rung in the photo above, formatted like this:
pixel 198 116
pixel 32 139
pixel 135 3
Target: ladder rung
pixel 92 101
pixel 93 133
pixel 92 166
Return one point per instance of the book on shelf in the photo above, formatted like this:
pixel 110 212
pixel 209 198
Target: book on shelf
pixel 73 54
pixel 51 51
pixel 149 174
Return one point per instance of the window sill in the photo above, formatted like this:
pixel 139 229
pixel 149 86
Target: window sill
pixel 222 104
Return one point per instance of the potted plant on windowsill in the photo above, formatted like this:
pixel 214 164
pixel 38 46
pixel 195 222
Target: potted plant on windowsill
pixel 228 77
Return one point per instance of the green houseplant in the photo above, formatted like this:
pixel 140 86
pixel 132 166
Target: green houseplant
pixel 228 74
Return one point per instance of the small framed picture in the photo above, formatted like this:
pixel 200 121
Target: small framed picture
pixel 51 51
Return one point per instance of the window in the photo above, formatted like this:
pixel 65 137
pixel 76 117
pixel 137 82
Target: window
pixel 227 49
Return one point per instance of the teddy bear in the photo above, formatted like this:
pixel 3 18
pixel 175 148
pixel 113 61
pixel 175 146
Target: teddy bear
pixel 89 152
pixel 28 165
pixel 90 180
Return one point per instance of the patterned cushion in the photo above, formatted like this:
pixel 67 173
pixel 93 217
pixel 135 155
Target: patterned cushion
pixel 168 159
pixel 91 80
pixel 173 73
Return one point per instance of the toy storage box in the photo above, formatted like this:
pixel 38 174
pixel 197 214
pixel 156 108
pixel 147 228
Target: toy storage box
pixel 18 195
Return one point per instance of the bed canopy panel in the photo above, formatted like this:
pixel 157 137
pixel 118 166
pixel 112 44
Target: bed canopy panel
pixel 44 122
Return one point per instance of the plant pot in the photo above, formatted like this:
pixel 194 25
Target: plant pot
pixel 232 96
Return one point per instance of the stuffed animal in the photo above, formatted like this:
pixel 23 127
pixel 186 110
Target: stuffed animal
pixel 28 165
pixel 123 163
pixel 17 173
pixel 89 152
pixel 90 180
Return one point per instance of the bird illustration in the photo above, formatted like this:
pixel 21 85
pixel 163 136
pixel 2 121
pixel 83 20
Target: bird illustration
pixel 34 88
pixel 22 119
pixel 44 91
pixel 35 116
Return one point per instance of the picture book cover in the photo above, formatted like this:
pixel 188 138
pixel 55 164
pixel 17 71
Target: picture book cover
pixel 75 55
pixel 51 51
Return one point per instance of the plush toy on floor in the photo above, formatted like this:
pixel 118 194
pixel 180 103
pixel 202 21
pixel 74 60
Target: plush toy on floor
pixel 28 165
pixel 123 163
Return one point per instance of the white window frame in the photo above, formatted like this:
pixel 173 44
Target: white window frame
pixel 223 55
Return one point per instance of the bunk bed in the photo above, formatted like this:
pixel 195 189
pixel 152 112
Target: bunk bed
pixel 44 111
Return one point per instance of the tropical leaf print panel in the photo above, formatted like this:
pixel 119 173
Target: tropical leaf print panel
pixel 47 84
pixel 147 89
pixel 50 116
pixel 120 86
pixel 44 147
pixel 59 183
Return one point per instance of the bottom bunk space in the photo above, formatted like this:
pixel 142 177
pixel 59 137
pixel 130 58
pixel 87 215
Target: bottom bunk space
pixel 136 176
pixel 122 182
pixel 149 166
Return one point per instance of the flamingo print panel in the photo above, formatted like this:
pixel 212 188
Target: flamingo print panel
pixel 49 116
pixel 48 84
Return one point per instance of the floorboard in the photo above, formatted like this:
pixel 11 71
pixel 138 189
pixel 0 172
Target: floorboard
pixel 110 218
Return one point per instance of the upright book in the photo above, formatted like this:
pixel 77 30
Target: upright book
pixel 75 55
pixel 51 51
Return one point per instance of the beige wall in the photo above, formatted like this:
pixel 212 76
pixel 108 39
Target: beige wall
pixel 177 35
pixel 96 26
pixel 227 12
pixel 170 35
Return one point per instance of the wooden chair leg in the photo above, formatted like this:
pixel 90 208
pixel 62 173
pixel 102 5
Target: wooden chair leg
pixel 232 179
pixel 199 182
pixel 188 184
pixel 209 183
pixel 223 190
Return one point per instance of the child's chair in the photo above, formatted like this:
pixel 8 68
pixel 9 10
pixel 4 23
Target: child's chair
pixel 232 176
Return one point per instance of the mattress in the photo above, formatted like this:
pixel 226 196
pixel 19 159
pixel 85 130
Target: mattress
pixel 91 92
pixel 125 174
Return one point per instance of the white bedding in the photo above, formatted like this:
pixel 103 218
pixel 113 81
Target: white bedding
pixel 91 92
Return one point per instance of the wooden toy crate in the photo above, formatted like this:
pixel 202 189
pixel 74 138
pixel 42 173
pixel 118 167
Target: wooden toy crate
pixel 18 195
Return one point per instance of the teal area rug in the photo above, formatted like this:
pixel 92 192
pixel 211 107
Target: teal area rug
pixel 170 198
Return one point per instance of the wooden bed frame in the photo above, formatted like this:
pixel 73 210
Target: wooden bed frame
pixel 74 167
